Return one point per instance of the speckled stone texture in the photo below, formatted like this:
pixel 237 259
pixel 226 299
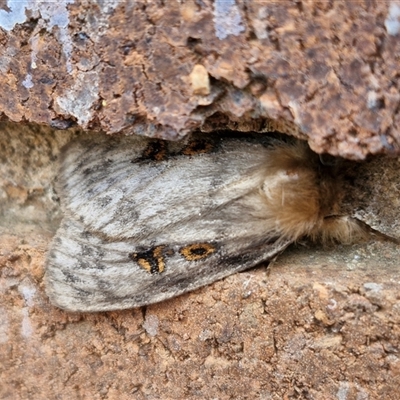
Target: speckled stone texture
pixel 329 67
pixel 316 324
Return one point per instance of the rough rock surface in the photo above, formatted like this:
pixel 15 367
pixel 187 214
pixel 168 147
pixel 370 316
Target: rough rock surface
pixel 164 68
pixel 316 324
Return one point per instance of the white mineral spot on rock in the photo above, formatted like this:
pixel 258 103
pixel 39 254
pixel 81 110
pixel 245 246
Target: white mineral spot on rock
pixel 26 326
pixel 205 334
pixel 227 19
pixel 342 391
pixel 372 286
pixel 150 325
pixel 79 99
pixel 52 14
pixel 332 304
pixel 28 292
pixel 392 21
pixel 55 14
pixel 4 325
pixel 16 15
pixel 372 98
pixel 27 82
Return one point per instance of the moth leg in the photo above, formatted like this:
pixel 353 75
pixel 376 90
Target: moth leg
pixel 347 230
pixel 379 235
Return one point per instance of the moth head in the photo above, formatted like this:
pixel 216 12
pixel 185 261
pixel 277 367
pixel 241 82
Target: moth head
pixel 303 195
pixel 291 190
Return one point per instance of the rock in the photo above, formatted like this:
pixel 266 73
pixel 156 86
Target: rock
pixel 330 69
pixel 316 323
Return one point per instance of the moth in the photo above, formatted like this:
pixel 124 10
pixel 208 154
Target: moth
pixel 146 219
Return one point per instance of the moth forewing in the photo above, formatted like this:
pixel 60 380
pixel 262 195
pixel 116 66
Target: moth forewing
pixel 86 273
pixel 146 220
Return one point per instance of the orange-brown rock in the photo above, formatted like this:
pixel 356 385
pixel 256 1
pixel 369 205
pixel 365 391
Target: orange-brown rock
pixel 316 324
pixel 331 68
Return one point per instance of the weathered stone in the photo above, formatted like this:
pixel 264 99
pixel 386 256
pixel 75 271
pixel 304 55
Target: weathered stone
pixel 331 68
pixel 317 324
pixel 200 80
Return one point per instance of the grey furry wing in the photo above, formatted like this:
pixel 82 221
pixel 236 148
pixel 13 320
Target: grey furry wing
pixel 145 220
pixel 86 273
pixel 116 187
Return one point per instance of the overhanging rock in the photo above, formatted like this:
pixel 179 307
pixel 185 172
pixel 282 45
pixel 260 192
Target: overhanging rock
pixel 329 70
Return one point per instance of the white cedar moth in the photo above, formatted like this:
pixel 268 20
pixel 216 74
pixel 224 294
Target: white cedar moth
pixel 146 220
